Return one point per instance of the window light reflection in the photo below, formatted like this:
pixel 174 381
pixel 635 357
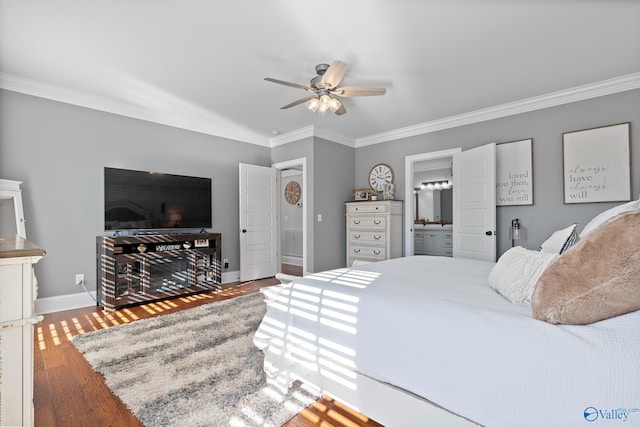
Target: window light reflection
pixel 337 315
pixel 339 305
pixel 338 325
pixel 302 333
pixel 305 306
pixel 329 355
pixel 338 347
pixel 341 296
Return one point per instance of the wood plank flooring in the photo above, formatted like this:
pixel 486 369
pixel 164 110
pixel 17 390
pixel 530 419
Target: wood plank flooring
pixel 68 393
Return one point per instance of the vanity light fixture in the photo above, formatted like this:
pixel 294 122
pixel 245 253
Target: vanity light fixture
pixel 436 185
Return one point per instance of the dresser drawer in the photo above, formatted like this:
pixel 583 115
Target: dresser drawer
pixel 368 237
pixel 367 252
pixel 371 221
pixel 367 207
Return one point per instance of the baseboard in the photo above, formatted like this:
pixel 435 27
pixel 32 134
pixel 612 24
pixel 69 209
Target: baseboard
pixel 293 260
pixel 230 276
pixel 83 299
pixel 64 302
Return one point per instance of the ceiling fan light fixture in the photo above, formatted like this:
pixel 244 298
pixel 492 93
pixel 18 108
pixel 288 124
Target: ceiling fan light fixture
pixel 313 105
pixel 325 103
pixel 335 104
pixel 325 89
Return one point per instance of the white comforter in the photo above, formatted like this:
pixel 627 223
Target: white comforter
pixel 434 327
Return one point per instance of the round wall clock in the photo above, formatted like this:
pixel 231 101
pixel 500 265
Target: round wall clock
pixel 292 192
pixel 380 175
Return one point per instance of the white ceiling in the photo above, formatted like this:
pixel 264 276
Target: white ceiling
pixel 200 64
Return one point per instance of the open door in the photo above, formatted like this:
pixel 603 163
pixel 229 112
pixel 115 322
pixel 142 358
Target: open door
pixel 258 226
pixel 474 203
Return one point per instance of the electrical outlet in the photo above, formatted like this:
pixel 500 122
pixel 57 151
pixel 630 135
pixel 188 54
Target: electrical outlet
pixel 225 262
pixel 79 279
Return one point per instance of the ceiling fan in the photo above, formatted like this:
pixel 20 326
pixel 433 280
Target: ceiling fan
pixel 325 90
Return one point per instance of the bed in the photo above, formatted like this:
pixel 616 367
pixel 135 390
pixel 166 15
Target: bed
pixel 430 340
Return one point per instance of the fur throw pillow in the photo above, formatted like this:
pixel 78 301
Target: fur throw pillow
pixel 596 279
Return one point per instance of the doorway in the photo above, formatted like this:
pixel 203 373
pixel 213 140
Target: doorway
pixel 292 217
pixel 412 165
pixel 290 221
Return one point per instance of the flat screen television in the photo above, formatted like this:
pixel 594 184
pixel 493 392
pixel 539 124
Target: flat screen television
pixel 139 200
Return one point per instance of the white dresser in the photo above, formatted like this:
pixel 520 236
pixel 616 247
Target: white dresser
pixel 17 317
pixel 374 230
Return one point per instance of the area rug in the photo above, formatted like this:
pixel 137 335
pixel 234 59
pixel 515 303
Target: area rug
pixel 196 367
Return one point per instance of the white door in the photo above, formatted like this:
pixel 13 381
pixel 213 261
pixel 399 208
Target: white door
pixel 474 203
pixel 258 227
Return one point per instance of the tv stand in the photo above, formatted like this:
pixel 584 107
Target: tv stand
pixel 138 269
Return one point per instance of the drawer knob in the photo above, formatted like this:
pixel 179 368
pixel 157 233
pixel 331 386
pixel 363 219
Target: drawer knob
pixel 377 237
pixel 356 251
pixel 356 236
pixel 355 221
pixel 376 252
pixel 377 222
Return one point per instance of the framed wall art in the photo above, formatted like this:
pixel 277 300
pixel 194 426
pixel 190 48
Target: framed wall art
pixel 514 173
pixel 596 164
pixel 361 194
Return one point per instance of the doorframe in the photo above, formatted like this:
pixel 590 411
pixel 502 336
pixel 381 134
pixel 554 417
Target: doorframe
pixel 280 166
pixel 409 199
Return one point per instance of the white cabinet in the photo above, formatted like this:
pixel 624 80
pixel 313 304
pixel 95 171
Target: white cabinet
pixel 17 317
pixel 374 230
pixel 433 242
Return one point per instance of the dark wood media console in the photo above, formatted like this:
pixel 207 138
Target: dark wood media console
pixel 138 269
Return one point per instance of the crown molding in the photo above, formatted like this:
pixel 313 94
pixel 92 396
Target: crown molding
pixel 56 93
pixel 293 136
pixel 310 131
pixel 579 93
pixel 334 137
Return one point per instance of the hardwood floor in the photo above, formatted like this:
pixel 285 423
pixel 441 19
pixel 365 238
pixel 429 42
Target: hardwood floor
pixel 67 392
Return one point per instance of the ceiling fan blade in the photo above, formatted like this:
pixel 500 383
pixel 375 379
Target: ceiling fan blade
pixel 340 111
pixel 359 91
pixel 334 74
pixel 282 82
pixel 298 102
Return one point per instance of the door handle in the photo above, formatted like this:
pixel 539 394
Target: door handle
pixel 244 231
pixel 488 233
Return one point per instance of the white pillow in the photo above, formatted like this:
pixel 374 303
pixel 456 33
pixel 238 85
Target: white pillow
pixel 632 206
pixel 560 240
pixel 517 272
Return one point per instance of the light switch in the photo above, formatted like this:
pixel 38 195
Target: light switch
pixel 319 217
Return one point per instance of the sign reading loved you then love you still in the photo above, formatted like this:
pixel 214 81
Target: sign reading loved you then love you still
pixel 596 165
pixel 514 173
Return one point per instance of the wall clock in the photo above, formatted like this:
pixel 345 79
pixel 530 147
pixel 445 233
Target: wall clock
pixel 380 175
pixel 292 192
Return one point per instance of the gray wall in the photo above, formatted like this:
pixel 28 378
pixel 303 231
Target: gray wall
pixel 334 186
pixel 59 152
pixel 548 213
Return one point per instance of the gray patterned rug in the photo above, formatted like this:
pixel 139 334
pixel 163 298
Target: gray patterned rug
pixel 197 367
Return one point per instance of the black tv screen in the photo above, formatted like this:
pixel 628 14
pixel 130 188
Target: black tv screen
pixel 139 200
